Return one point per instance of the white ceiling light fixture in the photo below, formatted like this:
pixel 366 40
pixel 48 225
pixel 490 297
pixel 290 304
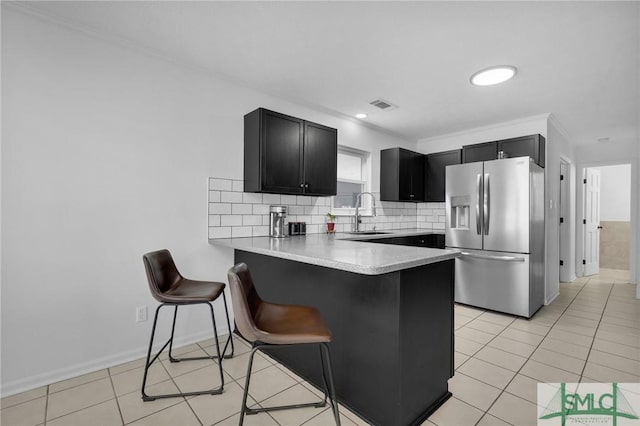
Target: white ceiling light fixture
pixel 361 115
pixel 493 75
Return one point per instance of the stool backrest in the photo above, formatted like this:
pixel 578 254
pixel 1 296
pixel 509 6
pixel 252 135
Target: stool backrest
pixel 246 301
pixel 162 273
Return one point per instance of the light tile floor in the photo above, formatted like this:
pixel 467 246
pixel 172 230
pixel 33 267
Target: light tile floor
pixel 590 333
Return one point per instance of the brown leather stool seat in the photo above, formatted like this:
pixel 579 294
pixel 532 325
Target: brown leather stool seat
pixel 267 324
pixel 170 288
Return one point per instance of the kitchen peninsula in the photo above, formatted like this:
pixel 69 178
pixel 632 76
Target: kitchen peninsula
pixel 389 308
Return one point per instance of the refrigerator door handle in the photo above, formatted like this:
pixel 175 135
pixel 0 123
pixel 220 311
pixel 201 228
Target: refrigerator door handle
pixel 487 200
pixel 479 190
pixel 487 257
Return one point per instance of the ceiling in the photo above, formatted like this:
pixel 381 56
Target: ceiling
pixel 576 60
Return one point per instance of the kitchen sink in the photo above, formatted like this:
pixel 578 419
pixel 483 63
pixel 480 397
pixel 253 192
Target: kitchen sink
pixel 366 232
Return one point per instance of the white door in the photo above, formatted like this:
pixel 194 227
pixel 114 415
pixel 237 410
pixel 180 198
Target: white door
pixel 592 223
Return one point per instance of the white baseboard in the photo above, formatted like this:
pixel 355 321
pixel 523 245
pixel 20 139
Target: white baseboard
pixel 552 298
pixel 32 382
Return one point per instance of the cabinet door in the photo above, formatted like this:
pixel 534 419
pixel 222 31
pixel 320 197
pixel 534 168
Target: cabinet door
pixel 480 152
pixel 417 177
pixel 532 146
pixel 320 159
pixel 405 164
pixel 282 153
pixel 435 167
pixel 389 174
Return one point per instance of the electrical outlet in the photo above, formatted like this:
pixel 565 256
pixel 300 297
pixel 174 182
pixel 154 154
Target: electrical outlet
pixel 141 313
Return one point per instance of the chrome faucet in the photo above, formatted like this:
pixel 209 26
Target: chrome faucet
pixel 356 227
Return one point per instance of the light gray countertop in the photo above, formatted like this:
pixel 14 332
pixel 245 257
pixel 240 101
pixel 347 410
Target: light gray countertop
pixel 339 251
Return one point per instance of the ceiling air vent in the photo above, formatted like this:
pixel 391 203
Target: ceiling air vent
pixel 383 105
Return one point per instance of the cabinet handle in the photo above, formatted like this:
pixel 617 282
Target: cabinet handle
pixel 306 185
pixel 302 185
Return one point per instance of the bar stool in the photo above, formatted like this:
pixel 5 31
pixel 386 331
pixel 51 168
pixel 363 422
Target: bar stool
pixel 171 289
pixel 266 324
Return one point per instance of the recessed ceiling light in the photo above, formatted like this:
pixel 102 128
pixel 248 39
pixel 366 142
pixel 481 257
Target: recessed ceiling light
pixel 493 75
pixel 361 115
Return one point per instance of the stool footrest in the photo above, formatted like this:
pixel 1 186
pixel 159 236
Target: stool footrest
pixel 250 411
pixel 216 391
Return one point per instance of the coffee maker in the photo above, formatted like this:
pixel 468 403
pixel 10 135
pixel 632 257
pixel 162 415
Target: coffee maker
pixel 277 214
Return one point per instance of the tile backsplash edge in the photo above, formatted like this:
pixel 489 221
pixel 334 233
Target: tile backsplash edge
pixel 233 213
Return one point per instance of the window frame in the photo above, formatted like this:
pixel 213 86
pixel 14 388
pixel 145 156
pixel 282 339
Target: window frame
pixel 365 157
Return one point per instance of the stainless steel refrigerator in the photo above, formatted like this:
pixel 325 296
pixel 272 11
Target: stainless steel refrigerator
pixel 495 217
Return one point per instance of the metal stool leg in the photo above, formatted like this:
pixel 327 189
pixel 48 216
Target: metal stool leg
pixel 230 338
pixel 334 401
pixel 149 362
pixel 249 411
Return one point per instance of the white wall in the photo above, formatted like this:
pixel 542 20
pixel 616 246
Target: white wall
pixel 105 156
pixel 615 193
pixel 556 145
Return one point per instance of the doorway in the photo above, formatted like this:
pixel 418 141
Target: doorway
pixel 605 221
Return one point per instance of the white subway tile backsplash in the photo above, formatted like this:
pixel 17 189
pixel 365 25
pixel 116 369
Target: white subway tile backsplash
pixel 219 208
pixel 288 199
pixel 241 231
pixel 271 199
pixel 260 209
pixel 231 197
pixel 296 210
pixel 238 186
pixel 214 220
pixel 242 209
pixel 230 220
pixel 221 184
pixel 303 201
pixel 251 198
pixel 214 196
pixel 233 213
pixel 260 231
pixel 220 232
pixel 252 220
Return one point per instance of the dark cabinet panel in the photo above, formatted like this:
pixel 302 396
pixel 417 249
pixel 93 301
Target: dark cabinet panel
pixel 288 155
pixel 435 167
pixel 320 164
pixel 426 240
pixel 479 152
pixel 532 146
pixel 401 175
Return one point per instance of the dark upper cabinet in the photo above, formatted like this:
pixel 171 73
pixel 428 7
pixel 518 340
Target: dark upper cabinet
pixel 434 175
pixel 532 146
pixel 401 175
pixel 288 155
pixel 479 152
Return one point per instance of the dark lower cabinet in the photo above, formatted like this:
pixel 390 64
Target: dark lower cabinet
pixel 288 155
pixel 426 240
pixel 532 146
pixel 401 175
pixel 392 348
pixel 435 167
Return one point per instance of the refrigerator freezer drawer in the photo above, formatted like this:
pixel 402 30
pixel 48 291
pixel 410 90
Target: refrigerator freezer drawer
pixel 494 280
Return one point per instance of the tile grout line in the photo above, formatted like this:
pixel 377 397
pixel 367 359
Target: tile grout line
pixel 115 395
pixel 46 406
pixel 503 390
pixel 596 332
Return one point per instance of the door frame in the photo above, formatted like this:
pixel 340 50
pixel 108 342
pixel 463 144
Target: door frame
pixel 580 199
pixel 566 210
